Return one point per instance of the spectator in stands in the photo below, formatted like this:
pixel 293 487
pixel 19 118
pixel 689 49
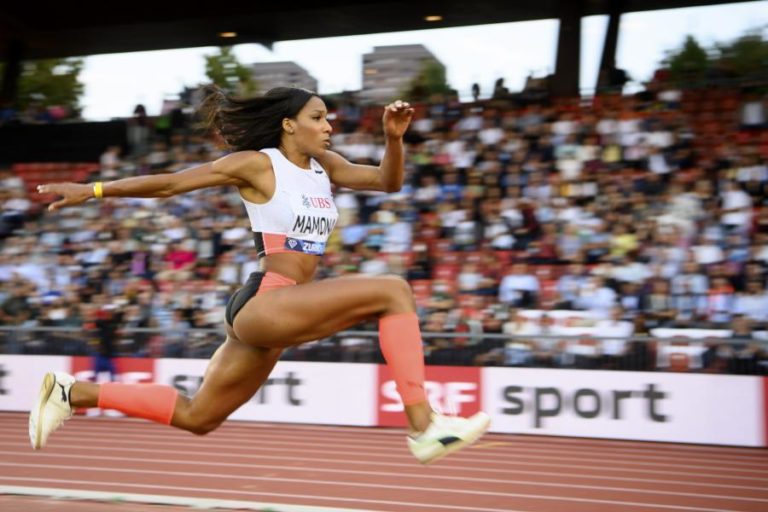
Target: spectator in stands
pixel 689 306
pixel 373 263
pixel 547 349
pixel 613 351
pixel 597 242
pixel 108 318
pixel 752 175
pixel 139 131
pixel 570 243
pixel 398 234
pixel 450 188
pixel 427 193
pixel 683 210
pixel 596 296
pixel 16 308
pixel 623 241
pixel 519 288
pixel 227 270
pixel 499 90
pixel 706 251
pixel 736 209
pixel 720 299
pixel 631 300
pixel 470 280
pixel 497 230
pixel 659 305
pixel 517 351
pixel 569 285
pixel 442 296
pixel 475 92
pixel 630 270
pixel 179 263
pixel 692 278
pixel 176 335
pixel 752 304
pixel 754 115
pixel 543 250
pixel 15 209
pixel 109 163
pixel 59 313
pixel 9 181
pixel 743 354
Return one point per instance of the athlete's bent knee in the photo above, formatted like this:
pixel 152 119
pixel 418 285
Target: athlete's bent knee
pixel 198 425
pixel 201 429
pixel 400 294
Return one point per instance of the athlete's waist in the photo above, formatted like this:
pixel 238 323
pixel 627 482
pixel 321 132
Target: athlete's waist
pixel 293 265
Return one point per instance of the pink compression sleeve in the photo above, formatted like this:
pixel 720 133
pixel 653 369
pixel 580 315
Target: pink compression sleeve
pixel 400 341
pixel 149 401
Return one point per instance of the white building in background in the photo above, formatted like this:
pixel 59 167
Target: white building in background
pixel 281 74
pixel 388 70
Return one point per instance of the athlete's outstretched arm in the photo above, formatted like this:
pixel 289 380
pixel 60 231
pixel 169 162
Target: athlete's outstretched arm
pixel 236 169
pixel 388 176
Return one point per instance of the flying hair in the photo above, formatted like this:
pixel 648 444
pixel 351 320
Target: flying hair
pixel 252 123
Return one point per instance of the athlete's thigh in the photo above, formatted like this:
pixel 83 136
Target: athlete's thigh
pixel 234 374
pixel 294 314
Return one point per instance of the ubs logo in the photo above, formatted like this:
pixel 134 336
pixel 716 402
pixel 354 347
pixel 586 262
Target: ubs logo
pixel 315 202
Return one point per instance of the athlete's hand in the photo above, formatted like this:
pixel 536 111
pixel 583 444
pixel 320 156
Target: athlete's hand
pixel 397 117
pixel 71 193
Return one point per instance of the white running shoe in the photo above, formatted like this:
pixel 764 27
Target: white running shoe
pixel 51 409
pixel 446 434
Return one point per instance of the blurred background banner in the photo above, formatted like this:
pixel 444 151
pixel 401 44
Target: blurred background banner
pixel 578 403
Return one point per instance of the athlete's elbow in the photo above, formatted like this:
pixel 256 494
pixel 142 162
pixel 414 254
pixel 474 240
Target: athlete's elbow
pixel 392 187
pixel 163 193
pixel 168 190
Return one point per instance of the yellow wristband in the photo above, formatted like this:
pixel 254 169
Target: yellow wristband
pixel 98 191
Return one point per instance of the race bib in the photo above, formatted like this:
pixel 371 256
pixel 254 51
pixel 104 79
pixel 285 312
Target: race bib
pixel 305 246
pixel 314 218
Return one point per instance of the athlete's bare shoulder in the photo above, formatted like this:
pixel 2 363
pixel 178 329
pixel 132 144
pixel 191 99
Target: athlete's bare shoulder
pixel 245 161
pixel 255 169
pixel 244 165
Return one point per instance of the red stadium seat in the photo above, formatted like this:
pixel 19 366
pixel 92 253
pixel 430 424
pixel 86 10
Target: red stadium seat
pixel 447 272
pixel 679 362
pixel 422 288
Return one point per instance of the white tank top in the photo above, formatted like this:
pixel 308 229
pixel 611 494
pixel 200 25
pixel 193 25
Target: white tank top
pixel 300 215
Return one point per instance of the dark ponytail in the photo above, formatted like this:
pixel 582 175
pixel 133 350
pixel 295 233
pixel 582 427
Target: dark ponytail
pixel 252 123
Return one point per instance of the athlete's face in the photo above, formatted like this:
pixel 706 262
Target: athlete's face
pixel 311 129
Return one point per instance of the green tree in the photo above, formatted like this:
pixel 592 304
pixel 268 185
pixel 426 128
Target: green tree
pixel 50 82
pixel 431 80
pixel 224 70
pixel 744 56
pixel 689 61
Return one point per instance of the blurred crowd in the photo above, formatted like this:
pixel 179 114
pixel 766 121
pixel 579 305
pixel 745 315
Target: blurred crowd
pixel 621 216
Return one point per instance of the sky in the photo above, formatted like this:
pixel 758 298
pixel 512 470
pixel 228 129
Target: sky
pixel 115 83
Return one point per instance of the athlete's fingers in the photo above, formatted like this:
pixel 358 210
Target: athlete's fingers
pixel 56 205
pixel 398 106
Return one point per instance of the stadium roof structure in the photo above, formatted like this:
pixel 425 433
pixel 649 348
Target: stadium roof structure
pixel 30 31
pixel 76 28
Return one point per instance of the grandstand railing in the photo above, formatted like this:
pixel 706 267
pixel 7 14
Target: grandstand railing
pixel 742 355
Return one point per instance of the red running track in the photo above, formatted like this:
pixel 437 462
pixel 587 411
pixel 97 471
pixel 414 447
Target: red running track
pixel 343 468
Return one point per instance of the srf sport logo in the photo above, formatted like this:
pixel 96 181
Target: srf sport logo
pixel 449 389
pixel 549 402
